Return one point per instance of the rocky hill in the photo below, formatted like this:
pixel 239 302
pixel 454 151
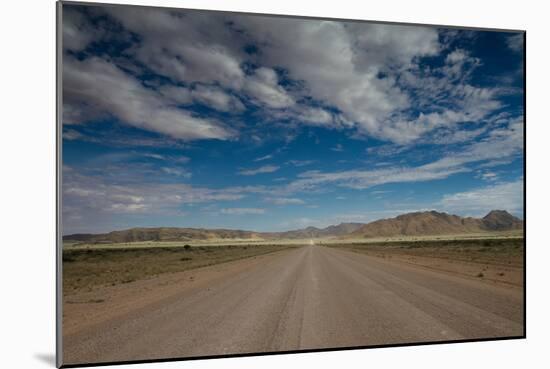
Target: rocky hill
pixel 436 223
pixel 411 224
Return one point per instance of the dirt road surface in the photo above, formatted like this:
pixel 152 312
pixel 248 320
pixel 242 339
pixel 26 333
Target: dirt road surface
pixel 306 298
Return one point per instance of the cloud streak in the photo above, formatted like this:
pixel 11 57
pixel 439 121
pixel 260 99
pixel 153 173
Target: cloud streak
pixel 242 211
pixel 96 88
pixel 480 201
pixel 285 201
pixel 260 170
pixel 500 143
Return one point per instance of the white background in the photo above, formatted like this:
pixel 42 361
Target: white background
pixel 27 310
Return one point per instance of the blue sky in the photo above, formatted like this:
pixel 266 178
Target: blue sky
pixel 198 119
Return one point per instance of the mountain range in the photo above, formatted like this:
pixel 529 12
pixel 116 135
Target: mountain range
pixel 411 224
pixel 436 223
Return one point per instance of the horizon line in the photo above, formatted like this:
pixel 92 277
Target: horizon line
pixel 287 230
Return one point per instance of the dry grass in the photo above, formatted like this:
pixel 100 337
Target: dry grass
pixel 496 260
pixel 86 269
pixel 494 251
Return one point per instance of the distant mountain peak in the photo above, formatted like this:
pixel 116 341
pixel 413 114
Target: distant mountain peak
pixel 433 222
pixel 311 228
pixel 420 223
pixel 498 213
pixel 501 220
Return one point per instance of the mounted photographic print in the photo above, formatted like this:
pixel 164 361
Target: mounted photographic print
pixel 240 184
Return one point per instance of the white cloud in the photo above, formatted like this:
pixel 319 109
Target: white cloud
pixel 380 192
pixel 353 75
pixel 314 116
pixel 217 98
pixel 127 208
pixel 301 163
pixel 155 156
pixel 260 170
pixel 89 201
pixel 363 179
pixel 265 157
pixel 179 159
pixel 505 142
pixel 77 31
pixel 489 176
pixel 176 94
pixel 337 148
pixel 94 192
pixel 456 57
pixel 178 172
pixel 285 201
pixel 264 87
pixel 96 87
pixel 71 134
pixel 387 150
pixel 515 42
pixel 450 136
pixel 340 64
pixel 242 211
pixel 211 96
pixel 196 47
pixel 478 202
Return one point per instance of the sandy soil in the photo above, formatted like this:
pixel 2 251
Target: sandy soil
pixel 487 272
pixel 304 298
pixel 86 309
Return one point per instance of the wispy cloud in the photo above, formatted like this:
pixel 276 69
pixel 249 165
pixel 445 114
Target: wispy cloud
pixel 94 88
pixel 407 103
pixel 363 179
pixel 451 136
pixel 242 211
pixel 263 87
pixel 71 134
pixel 337 148
pixel 301 163
pixel 478 202
pixel 501 143
pixel 176 172
pixel 260 170
pixel 265 157
pixel 388 150
pixel 154 156
pixel 380 192
pixel 92 200
pixel 488 176
pixel 515 42
pixel 285 200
